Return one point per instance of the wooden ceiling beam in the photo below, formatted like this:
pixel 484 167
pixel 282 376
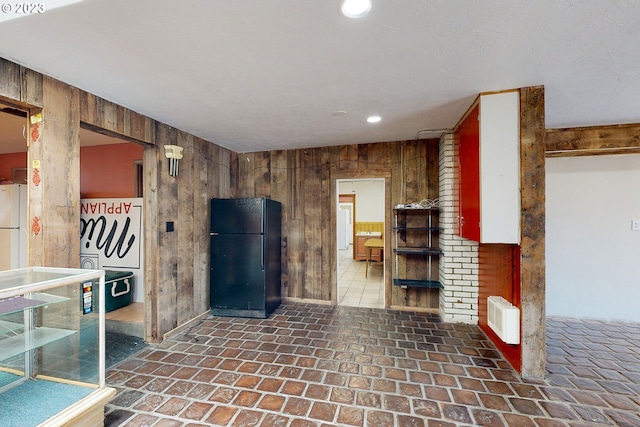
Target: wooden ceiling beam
pixel 593 140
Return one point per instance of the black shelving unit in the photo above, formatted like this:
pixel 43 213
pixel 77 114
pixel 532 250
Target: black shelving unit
pixel 417 241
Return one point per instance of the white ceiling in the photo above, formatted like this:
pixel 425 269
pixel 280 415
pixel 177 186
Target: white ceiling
pixel 254 75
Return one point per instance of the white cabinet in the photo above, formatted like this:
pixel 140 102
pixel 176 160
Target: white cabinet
pixel 52 344
pixel 488 177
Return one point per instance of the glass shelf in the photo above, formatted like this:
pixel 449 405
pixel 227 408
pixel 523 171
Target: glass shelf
pixel 6 327
pixel 35 300
pixel 30 340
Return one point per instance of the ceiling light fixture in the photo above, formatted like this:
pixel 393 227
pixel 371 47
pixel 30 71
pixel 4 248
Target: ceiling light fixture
pixel 355 8
pixel 374 119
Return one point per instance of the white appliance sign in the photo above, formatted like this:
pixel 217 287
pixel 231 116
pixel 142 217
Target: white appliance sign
pixel 111 230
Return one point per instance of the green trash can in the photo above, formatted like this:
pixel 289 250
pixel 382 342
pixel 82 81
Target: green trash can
pixel 118 289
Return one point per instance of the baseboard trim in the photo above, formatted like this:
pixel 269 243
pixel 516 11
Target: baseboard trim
pixel 308 300
pixel 185 325
pixel 417 309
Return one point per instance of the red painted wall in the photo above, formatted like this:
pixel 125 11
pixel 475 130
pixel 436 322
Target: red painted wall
pixel 108 170
pixel 105 170
pixel 499 274
pixel 10 161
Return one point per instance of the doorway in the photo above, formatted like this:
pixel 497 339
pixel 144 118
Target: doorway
pixel 360 210
pixel 110 170
pixel 13 188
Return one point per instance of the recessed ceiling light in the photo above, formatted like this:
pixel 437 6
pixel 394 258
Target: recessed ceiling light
pixel 374 119
pixel 355 8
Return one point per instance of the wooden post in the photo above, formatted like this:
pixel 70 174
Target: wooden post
pixel 532 268
pixel 54 178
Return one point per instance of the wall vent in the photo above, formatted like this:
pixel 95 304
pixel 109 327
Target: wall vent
pixel 504 319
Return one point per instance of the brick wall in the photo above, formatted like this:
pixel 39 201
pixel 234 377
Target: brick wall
pixel 459 262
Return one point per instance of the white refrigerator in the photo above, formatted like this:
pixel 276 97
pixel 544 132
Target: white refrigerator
pixel 13 226
pixel 343 229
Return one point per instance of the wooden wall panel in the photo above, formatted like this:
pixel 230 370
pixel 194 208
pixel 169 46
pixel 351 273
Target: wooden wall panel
pixel 187 238
pixel 294 206
pixel 327 224
pixel 312 226
pixel 205 169
pixel 152 263
pixel 279 190
pixel 168 242
pixel 246 175
pixel 223 184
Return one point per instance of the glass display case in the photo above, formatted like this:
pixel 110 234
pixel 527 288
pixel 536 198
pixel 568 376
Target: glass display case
pixel 52 344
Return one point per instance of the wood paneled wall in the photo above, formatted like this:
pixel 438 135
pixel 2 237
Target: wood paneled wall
pixel 176 263
pixel 304 181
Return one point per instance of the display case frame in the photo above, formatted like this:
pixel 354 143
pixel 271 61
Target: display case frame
pixel 51 327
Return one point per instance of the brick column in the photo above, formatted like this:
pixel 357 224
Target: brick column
pixel 459 262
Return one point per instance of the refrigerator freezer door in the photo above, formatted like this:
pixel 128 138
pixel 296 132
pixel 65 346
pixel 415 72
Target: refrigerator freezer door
pixel 9 206
pixel 8 251
pixel 343 226
pixel 237 216
pixel 13 227
pixel 237 274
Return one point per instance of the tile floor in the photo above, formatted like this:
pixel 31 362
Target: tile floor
pixel 316 365
pixel 355 290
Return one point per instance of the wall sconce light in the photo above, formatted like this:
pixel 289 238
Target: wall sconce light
pixel 173 153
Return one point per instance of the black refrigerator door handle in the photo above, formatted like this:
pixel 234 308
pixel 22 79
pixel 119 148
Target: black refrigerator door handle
pixel 213 234
pixel 262 253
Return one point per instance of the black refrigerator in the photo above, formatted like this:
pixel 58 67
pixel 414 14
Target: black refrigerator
pixel 245 257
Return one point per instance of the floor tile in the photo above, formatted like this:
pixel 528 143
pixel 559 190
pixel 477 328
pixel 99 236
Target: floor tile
pixel 314 365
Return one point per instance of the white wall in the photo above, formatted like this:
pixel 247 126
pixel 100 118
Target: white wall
pixel 592 256
pixel 369 198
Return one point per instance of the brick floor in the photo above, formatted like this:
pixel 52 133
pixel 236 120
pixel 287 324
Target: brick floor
pixel 314 365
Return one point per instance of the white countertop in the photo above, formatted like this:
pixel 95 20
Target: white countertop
pixel 369 234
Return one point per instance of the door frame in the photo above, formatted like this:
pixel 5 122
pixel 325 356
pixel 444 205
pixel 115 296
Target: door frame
pixel 334 197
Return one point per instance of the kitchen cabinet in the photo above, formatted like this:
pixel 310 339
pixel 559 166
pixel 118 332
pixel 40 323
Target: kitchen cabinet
pixel 416 247
pixel 488 172
pixel 52 345
pixel 361 251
